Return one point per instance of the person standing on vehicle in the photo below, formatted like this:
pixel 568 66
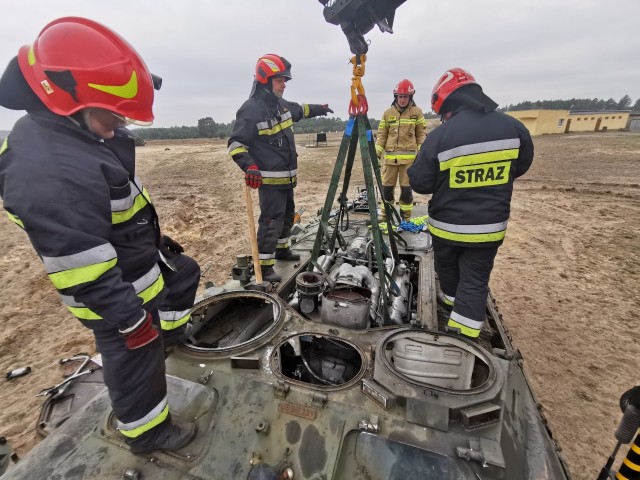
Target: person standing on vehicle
pixel 68 179
pixel 401 131
pixel 469 164
pixel 263 145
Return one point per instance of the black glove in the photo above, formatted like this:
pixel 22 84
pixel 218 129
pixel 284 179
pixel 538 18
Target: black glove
pixel 171 244
pixel 326 109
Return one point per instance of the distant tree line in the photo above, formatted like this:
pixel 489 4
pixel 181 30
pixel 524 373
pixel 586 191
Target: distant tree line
pixel 577 104
pixel 208 128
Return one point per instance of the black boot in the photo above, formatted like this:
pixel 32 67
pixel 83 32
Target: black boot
pixel 270 275
pixel 171 438
pixel 286 254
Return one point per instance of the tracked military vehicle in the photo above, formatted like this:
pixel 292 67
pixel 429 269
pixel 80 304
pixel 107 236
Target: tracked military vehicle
pixel 307 381
pixel 344 370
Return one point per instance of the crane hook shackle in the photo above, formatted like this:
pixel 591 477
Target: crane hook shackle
pixel 358 103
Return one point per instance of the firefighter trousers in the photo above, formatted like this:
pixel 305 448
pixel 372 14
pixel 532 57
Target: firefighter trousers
pixel 276 219
pixel 391 172
pixel 136 378
pixel 390 175
pixel 181 279
pixel 136 382
pixel 464 274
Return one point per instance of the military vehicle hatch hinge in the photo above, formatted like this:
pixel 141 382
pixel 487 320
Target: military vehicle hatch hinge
pixel 319 399
pixel 473 453
pixel 483 451
pixel 280 389
pixel 372 425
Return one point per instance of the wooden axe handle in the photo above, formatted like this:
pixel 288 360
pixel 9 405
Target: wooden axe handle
pixel 253 240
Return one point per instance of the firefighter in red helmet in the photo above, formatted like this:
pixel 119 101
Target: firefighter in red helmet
pixel 469 164
pixel 68 179
pixel 263 146
pixel 401 131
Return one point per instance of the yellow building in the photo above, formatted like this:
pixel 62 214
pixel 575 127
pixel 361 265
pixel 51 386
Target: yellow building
pixel 542 122
pixel 597 121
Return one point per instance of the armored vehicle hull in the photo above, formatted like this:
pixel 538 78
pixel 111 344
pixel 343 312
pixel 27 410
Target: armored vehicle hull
pixel 303 382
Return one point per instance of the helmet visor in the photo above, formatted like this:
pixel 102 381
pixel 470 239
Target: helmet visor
pixel 131 121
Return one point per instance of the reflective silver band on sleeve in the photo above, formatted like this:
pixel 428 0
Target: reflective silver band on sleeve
pixel 235 145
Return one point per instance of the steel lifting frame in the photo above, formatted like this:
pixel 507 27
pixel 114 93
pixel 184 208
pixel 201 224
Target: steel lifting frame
pixel 358 131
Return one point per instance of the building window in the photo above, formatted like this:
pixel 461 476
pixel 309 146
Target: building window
pixel 561 122
pixel 620 116
pixel 606 118
pixel 593 118
pixel 579 119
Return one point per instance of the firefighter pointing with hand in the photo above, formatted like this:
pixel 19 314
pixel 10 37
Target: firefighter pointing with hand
pixel 263 145
pixel 469 164
pixel 68 179
pixel 401 131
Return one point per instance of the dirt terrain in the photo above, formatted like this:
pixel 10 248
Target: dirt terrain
pixel 566 279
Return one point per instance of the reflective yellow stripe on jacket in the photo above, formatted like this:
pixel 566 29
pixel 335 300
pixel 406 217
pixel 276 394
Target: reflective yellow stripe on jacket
pixel 83 267
pixel 170 320
pixel 282 177
pixel 480 164
pixel 124 209
pixel 236 148
pixel 15 219
pixel 400 156
pixel 492 232
pixel 146 287
pixel 271 128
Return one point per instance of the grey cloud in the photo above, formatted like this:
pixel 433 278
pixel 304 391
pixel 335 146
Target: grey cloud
pixel 205 51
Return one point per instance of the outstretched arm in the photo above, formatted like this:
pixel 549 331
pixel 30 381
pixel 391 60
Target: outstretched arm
pixel 300 111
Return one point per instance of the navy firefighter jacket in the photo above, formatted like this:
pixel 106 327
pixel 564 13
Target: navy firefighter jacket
pixel 263 135
pixel 88 217
pixel 469 164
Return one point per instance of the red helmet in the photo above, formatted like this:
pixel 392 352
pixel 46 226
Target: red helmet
pixel 77 63
pixel 272 65
pixel 452 80
pixel 405 87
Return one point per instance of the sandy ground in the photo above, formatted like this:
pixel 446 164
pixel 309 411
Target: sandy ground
pixel 566 279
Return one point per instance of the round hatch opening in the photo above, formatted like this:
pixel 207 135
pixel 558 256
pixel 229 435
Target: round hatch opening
pixel 318 360
pixel 230 322
pixel 436 360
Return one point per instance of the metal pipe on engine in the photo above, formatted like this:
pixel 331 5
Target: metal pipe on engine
pixel 400 304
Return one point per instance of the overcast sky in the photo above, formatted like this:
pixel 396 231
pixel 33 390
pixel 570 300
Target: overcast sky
pixel 206 50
